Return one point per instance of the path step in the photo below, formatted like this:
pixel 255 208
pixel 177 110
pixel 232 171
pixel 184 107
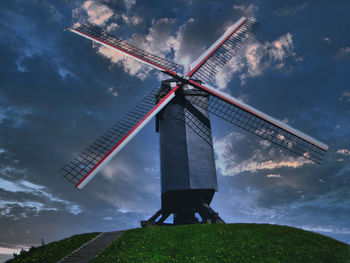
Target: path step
pixel 91 249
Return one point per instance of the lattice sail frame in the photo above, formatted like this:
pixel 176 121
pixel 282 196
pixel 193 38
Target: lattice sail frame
pixel 100 36
pixel 242 115
pixel 87 164
pixel 208 65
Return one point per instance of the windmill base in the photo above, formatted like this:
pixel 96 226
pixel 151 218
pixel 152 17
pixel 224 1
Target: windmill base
pixel 184 204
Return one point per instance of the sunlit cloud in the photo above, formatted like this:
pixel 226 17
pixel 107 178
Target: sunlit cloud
pixel 229 164
pixel 273 175
pixel 158 41
pixel 97 13
pixel 343 151
pixel 256 58
pixel 254 166
pixel 131 66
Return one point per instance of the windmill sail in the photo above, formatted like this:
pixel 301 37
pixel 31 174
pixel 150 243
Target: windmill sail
pixel 260 124
pixel 188 166
pixel 100 36
pixel 88 163
pixel 82 168
pixel 215 58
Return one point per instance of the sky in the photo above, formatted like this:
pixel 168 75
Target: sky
pixel 58 92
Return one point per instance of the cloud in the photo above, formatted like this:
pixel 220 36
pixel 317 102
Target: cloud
pixel 131 66
pixel 74 209
pixel 326 229
pixel 39 199
pixel 343 54
pixel 158 41
pixel 129 3
pixel 273 175
pixel 12 172
pixel 282 47
pixel 335 198
pixel 12 187
pixel 14 116
pixel 254 55
pixel 112 26
pixel 264 143
pixel 254 159
pixel 248 11
pixel 345 96
pixel 131 20
pixel 123 211
pixel 184 46
pixel 256 58
pixel 97 13
pixel 225 75
pixel 131 186
pixel 327 40
pixel 344 152
pixel 113 91
pixel 10 248
pixel 8 208
pixel 161 40
pixel 252 61
pixel 254 166
pixel 28 187
pixel 290 11
pixel 118 172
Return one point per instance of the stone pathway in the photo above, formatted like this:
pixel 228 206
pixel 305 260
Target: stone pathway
pixel 91 249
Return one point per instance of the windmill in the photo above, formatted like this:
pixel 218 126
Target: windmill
pixel 181 107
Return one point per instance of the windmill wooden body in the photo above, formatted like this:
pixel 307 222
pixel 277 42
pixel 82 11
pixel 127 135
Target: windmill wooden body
pixel 181 107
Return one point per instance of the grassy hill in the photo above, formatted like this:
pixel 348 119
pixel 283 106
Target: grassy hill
pixel 206 243
pixel 224 243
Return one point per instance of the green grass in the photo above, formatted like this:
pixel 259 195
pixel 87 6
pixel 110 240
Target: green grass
pixel 54 251
pixel 224 243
